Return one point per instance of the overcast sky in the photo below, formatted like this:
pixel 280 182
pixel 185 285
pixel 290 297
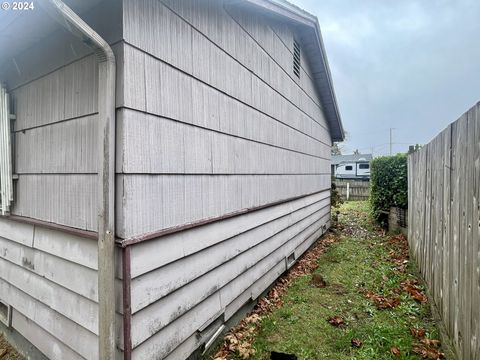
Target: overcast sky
pixel 413 65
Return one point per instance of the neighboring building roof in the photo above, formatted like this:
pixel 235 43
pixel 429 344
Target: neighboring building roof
pixel 314 49
pixel 339 159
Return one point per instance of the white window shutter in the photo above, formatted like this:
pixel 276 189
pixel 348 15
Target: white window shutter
pixel 6 173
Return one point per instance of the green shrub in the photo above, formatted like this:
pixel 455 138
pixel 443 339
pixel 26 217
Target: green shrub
pixel 389 186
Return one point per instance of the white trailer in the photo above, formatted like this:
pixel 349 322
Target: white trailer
pixel 355 167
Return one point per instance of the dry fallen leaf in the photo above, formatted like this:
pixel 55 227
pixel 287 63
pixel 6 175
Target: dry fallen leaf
pixel 336 321
pixel 239 341
pixel 431 343
pixel 253 319
pixel 357 343
pixel 428 353
pixel 395 351
pixel 417 332
pixel 382 302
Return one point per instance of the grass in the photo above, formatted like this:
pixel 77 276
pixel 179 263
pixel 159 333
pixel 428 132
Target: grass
pixel 358 261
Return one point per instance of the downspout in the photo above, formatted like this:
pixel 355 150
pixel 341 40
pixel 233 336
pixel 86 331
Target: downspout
pixel 106 169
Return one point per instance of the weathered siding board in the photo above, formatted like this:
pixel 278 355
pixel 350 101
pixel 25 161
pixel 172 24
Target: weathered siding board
pixel 65 147
pixel 63 94
pixel 172 335
pixel 49 345
pixel 77 278
pixel 279 48
pixel 214 109
pixel 444 229
pixel 57 297
pixel 212 195
pixel 150 255
pixel 56 145
pixel 68 332
pixel 211 105
pixel 165 146
pixel 202 16
pixel 219 65
pixel 50 277
pixel 18 232
pixel 237 145
pixel 254 290
pixel 228 278
pixel 76 249
pixel 185 270
pixel 59 198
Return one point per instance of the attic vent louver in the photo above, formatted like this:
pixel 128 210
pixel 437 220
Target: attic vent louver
pixel 6 178
pixel 296 58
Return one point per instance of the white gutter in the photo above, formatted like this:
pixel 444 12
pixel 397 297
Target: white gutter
pixel 106 169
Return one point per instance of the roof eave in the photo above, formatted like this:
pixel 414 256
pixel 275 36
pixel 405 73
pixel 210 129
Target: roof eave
pixel 326 93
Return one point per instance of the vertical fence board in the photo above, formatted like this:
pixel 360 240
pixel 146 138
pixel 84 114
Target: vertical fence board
pixel 475 290
pixel 446 273
pixel 444 226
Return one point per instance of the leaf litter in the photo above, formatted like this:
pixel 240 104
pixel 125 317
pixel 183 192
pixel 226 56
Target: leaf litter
pixel 238 343
pixel 239 340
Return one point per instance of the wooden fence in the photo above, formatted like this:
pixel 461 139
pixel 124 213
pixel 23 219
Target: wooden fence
pixel 444 226
pixel 358 190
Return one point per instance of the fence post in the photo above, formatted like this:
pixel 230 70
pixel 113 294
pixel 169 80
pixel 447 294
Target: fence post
pixel 348 191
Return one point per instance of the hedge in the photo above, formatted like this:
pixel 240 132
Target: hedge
pixel 388 181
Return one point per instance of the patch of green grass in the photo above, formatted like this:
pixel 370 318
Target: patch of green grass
pixel 358 261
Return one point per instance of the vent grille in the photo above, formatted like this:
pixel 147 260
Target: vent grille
pixel 5 314
pixel 296 59
pixel 6 178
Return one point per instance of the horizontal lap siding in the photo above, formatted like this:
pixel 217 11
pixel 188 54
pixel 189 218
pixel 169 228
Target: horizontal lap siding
pixel 61 303
pixel 56 146
pixel 59 198
pixel 158 202
pixel 164 89
pixel 220 24
pixel 276 39
pixel 172 302
pixel 50 278
pixel 165 146
pixel 65 147
pixel 212 123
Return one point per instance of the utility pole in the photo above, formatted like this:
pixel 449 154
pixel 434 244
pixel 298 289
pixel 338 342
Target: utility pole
pixel 391 132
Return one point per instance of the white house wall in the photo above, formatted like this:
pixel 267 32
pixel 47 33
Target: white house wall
pixel 49 276
pixel 213 122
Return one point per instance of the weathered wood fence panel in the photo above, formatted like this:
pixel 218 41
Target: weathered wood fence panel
pixel 358 190
pixel 444 226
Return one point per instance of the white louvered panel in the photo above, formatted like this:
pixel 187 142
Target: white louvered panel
pixel 6 184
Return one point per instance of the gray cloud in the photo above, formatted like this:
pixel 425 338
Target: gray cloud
pixel 412 65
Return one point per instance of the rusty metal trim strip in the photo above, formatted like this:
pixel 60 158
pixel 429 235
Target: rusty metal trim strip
pixel 183 227
pixel 127 306
pixel 52 226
